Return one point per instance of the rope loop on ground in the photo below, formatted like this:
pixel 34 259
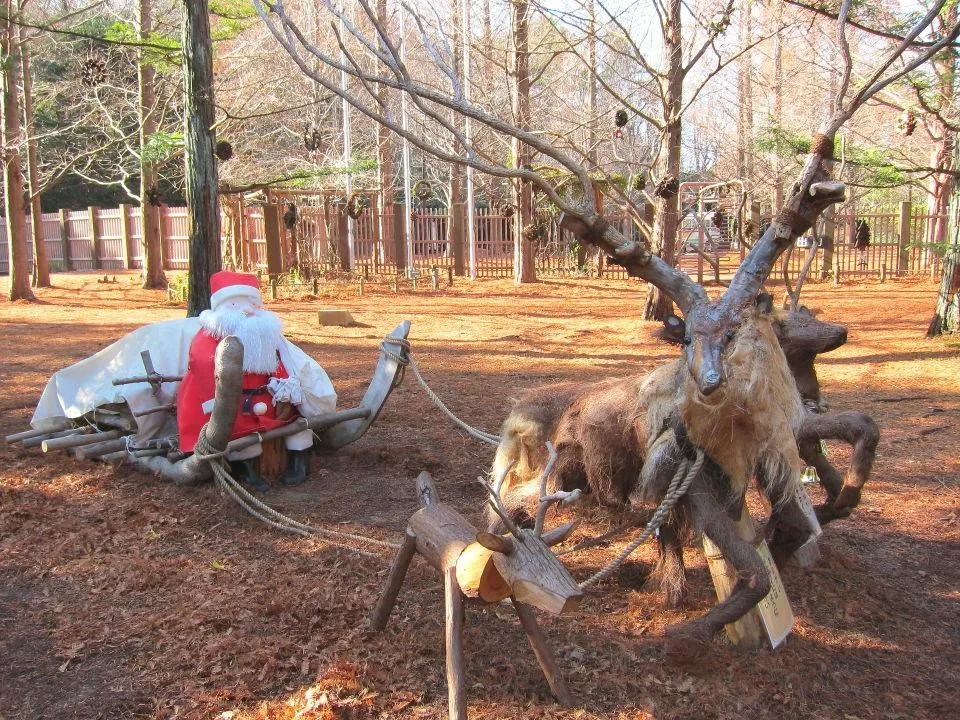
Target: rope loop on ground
pixel 685 474
pixel 405 359
pixel 255 507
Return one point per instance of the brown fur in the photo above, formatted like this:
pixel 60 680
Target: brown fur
pixel 604 431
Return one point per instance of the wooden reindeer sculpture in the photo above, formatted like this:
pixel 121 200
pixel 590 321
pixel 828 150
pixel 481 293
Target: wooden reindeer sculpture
pixel 490 568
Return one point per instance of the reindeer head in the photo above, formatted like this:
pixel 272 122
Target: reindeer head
pixel 709 328
pixel 521 563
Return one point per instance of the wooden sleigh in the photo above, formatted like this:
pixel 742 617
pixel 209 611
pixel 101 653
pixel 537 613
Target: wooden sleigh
pixel 107 433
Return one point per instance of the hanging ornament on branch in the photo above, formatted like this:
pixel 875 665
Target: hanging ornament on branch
pixel 667 188
pixel 620 119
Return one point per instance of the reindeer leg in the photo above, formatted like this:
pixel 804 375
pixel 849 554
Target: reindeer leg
pixel 670 568
pixel 398 571
pixel 859 430
pixel 788 528
pixel 538 641
pixel 686 639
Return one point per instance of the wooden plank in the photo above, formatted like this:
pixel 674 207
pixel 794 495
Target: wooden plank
pixel 772 619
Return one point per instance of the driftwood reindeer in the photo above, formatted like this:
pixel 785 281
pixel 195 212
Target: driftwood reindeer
pixel 489 568
pixel 731 395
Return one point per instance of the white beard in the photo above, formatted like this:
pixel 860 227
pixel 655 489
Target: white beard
pixel 260 334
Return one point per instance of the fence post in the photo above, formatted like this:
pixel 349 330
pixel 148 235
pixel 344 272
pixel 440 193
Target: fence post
pixel 65 239
pixel 903 258
pixel 456 235
pixel 125 235
pixel 271 229
pixel 343 239
pixel 829 242
pixel 399 237
pixel 162 223
pixel 836 268
pixel 94 237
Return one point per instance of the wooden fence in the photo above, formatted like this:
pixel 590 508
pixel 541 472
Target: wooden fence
pixel 376 243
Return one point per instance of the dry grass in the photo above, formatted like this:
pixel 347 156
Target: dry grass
pixel 122 597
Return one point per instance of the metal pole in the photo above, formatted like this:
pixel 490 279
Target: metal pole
pixel 407 200
pixel 347 149
pixel 468 130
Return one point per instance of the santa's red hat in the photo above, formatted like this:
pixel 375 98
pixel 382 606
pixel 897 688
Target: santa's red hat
pixel 225 285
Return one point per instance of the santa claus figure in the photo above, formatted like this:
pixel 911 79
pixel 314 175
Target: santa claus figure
pixel 280 382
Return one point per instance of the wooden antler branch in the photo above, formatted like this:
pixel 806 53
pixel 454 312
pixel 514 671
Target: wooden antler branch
pixel 497 503
pixel 547 500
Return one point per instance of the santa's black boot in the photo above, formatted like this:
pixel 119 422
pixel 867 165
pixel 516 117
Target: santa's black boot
pixel 297 464
pixel 245 471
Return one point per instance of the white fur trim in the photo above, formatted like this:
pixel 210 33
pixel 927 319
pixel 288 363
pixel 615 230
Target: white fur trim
pixel 234 291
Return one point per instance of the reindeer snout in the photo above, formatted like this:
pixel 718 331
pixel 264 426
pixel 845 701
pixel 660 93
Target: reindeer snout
pixel 709 382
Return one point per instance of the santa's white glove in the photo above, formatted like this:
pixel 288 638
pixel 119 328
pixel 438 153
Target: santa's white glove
pixel 285 390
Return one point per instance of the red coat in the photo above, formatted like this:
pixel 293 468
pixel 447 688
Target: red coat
pixel 199 385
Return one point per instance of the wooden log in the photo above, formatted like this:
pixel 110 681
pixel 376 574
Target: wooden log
pixel 55 425
pixel 92 452
pixel 398 571
pixel 171 408
pixel 39 440
pixel 772 619
pixel 148 379
pixel 453 635
pixel 442 534
pixel 71 441
pixel 528 621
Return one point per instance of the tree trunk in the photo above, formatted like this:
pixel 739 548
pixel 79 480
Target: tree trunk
pixel 777 198
pixel 384 156
pixel 745 95
pixel 201 166
pixel 12 177
pixel 946 317
pixel 150 236
pixel 455 206
pixel 524 268
pixel 41 265
pixel 666 217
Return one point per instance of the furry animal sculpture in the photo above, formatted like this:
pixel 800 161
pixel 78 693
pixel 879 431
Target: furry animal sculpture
pixel 622 439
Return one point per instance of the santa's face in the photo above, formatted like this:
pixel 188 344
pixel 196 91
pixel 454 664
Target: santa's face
pixel 259 330
pixel 242 304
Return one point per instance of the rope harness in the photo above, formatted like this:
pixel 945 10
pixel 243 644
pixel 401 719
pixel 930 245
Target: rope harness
pixel 685 474
pixel 686 471
pixel 226 483
pixel 405 359
pixel 683 477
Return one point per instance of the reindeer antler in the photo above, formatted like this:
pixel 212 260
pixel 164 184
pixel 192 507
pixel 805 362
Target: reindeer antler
pixel 497 503
pixel 547 500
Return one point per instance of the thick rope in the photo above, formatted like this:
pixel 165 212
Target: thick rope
pixel 682 478
pixel 255 507
pixel 406 359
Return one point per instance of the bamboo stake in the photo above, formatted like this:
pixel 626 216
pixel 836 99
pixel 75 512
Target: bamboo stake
pixel 37 441
pixel 58 424
pixel 78 440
